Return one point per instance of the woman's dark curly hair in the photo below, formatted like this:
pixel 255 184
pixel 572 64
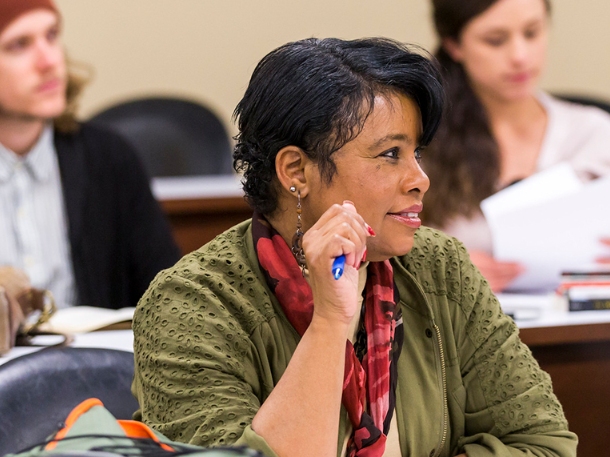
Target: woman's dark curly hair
pixel 316 94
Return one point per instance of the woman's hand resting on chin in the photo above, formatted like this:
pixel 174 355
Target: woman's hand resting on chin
pixel 340 231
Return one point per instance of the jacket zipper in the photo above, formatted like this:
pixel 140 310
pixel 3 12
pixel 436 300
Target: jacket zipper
pixel 437 330
pixel 444 382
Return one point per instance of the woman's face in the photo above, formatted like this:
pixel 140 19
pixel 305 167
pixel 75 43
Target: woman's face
pixel 503 49
pixel 379 172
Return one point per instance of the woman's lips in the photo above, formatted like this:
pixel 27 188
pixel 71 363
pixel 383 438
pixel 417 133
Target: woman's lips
pixel 519 78
pixel 409 219
pixel 409 216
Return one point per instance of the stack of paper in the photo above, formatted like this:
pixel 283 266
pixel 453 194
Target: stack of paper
pixel 550 222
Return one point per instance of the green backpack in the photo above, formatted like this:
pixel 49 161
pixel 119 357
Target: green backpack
pixel 92 431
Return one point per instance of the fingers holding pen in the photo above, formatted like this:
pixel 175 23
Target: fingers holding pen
pixel 340 231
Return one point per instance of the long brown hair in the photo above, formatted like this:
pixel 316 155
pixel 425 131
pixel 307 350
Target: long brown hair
pixel 79 75
pixel 463 160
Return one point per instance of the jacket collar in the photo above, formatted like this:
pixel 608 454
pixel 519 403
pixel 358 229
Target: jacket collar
pixel 411 292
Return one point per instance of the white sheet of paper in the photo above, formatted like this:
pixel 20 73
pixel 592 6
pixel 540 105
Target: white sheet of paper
pixel 559 231
pixel 547 185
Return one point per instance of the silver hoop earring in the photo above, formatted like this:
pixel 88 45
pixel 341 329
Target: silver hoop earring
pixel 297 239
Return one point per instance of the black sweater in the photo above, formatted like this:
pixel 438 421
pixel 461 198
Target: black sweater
pixel 119 236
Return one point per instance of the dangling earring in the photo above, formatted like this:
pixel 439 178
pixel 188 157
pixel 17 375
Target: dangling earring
pixel 297 239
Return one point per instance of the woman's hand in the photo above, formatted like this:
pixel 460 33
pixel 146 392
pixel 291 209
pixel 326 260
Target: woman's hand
pixel 605 259
pixel 498 274
pixel 340 231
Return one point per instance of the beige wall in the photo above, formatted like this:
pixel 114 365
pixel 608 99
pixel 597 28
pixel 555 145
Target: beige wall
pixel 207 49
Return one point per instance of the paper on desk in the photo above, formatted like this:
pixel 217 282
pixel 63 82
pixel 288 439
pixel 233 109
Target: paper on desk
pixel 80 319
pixel 549 223
pixel 529 306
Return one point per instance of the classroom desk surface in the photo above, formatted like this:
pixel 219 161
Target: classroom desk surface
pixel 110 339
pixel 544 320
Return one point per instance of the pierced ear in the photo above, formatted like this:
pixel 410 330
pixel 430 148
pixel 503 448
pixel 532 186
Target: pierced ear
pixel 453 48
pixel 290 164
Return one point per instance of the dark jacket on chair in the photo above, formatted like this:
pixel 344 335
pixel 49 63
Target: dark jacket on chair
pixel 119 236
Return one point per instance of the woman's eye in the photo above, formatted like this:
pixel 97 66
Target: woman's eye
pixel 495 42
pixel 391 153
pixel 417 153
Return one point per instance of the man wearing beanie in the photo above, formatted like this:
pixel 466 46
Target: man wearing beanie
pixel 76 213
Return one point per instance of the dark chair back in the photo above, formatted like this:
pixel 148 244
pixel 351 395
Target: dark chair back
pixel 173 137
pixel 38 390
pixel 586 100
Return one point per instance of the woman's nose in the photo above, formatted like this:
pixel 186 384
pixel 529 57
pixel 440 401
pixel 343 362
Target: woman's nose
pixel 416 180
pixel 519 50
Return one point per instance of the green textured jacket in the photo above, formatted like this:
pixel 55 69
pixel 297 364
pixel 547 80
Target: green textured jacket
pixel 211 342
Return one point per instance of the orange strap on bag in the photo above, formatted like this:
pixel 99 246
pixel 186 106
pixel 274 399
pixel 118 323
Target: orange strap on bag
pixel 135 429
pixel 132 429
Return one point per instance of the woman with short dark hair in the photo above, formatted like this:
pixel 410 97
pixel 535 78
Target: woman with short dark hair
pixel 331 323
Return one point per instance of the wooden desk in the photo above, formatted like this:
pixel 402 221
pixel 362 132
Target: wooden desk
pixel 578 359
pixel 197 221
pixel 199 208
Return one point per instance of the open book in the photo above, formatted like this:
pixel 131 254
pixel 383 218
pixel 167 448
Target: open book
pixel 82 319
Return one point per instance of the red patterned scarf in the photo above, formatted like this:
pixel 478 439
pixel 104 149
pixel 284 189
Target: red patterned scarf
pixel 369 387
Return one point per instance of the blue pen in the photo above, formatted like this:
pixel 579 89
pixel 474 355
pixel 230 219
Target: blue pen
pixel 338 266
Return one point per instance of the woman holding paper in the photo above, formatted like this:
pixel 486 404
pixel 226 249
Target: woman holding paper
pixel 499 127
